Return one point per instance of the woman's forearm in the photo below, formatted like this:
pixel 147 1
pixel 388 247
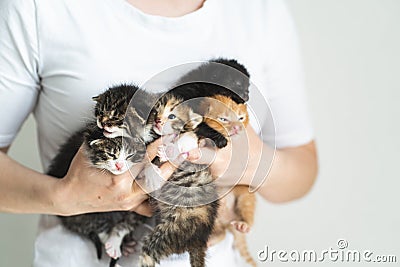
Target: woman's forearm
pixel 282 175
pixel 23 190
pixel 83 189
pixel 292 173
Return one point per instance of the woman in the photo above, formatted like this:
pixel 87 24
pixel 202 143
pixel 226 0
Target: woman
pixel 56 54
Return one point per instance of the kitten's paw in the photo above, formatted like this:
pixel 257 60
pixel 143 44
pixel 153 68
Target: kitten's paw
pixel 128 248
pixel 161 153
pixel 146 261
pixel 113 249
pixel 220 141
pixel 187 142
pixel 241 226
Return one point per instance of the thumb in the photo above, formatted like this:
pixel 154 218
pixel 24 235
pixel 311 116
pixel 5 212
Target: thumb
pixel 203 155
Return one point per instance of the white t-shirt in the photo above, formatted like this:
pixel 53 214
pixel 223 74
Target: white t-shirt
pixel 56 54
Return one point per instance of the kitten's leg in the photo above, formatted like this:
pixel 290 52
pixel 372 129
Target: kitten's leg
pixel 113 242
pixel 205 131
pixel 244 208
pixel 197 257
pixel 156 246
pixel 96 239
pixel 128 246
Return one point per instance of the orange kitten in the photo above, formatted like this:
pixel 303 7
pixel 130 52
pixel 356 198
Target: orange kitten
pixel 236 212
pixel 224 115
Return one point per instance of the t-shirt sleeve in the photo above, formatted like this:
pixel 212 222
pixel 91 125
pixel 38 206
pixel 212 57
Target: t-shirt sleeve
pixel 19 79
pixel 283 80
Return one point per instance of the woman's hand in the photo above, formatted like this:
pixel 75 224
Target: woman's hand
pixel 236 163
pixel 87 189
pixel 278 175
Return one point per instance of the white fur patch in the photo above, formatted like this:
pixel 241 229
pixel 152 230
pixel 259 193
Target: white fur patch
pixel 113 243
pixel 187 142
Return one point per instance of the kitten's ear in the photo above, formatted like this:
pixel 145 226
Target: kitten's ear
pixel 205 106
pixel 132 112
pixel 96 98
pixel 95 142
pixel 195 119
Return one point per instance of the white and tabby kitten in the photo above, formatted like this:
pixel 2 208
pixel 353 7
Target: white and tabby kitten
pixel 116 155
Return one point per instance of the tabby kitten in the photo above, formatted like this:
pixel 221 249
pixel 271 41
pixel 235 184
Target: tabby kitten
pixel 236 213
pixel 187 204
pixel 118 105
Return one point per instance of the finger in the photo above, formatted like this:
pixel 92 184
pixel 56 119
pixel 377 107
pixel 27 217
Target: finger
pixel 136 169
pixel 152 149
pixel 137 189
pixel 144 209
pixel 167 169
pixel 204 155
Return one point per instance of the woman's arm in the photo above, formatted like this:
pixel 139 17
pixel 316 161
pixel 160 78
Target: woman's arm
pixel 292 173
pixel 83 189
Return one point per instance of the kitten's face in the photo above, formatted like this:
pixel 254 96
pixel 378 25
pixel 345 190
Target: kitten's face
pixel 225 115
pixel 170 116
pixel 110 114
pixel 115 155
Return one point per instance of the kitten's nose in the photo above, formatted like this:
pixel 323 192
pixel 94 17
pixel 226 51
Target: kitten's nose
pixel 119 165
pixel 158 120
pixel 236 127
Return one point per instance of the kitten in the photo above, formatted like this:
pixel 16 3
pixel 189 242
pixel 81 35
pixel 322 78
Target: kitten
pixel 187 204
pixel 229 118
pixel 216 77
pixel 224 77
pixel 123 101
pixel 116 155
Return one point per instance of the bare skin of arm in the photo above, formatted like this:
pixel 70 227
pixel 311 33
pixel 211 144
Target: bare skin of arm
pixel 83 189
pixel 291 175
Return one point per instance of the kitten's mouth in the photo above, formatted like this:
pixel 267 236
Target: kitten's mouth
pixel 107 133
pixel 233 134
pixel 158 129
pixel 118 172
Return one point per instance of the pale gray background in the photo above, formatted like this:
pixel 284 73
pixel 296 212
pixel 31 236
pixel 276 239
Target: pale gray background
pixel 352 64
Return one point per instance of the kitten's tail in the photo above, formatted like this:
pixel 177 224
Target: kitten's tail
pixel 240 244
pixel 113 262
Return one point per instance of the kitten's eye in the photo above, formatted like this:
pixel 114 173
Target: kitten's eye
pixel 241 119
pixel 130 156
pixel 111 155
pixel 171 116
pixel 223 119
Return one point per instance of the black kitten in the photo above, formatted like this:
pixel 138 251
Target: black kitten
pixel 209 80
pixel 213 78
